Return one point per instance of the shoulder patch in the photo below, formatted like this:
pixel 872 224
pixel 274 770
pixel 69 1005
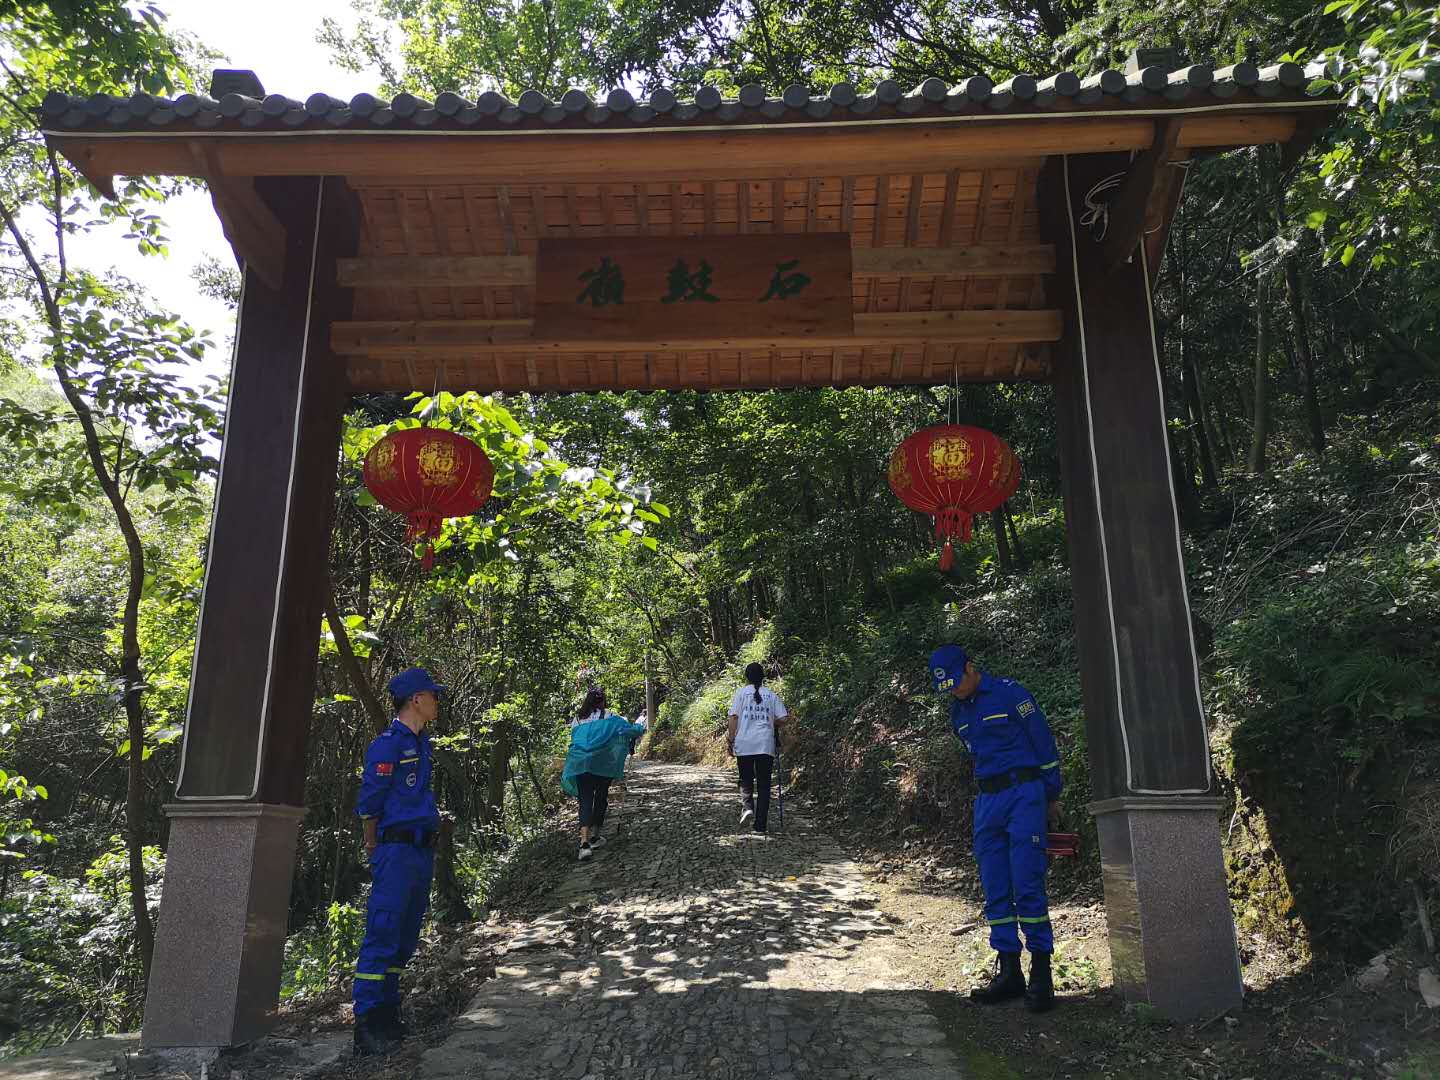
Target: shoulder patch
pixel 384 768
pixel 1026 707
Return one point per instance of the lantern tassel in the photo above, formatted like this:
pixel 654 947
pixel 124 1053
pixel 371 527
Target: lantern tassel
pixel 425 525
pixel 951 522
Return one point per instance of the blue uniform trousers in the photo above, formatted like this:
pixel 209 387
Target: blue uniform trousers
pixel 1010 831
pixel 399 897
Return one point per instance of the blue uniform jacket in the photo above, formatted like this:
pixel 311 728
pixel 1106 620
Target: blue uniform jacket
pixel 1004 729
pixel 396 785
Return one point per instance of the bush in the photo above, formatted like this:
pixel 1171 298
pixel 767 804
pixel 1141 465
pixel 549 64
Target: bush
pixel 321 956
pixel 68 964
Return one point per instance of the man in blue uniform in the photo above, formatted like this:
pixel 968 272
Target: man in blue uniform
pixel 1017 770
pixel 400 818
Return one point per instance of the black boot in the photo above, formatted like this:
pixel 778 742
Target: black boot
pixel 386 1018
pixel 1007 982
pixel 399 1030
pixel 1040 993
pixel 372 1034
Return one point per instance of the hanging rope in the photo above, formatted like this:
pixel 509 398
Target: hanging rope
pixel 1098 213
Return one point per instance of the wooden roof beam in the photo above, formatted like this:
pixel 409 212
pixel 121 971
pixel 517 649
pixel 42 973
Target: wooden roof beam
pixel 934 327
pixel 660 156
pixel 490 271
pixel 253 230
pixel 1128 210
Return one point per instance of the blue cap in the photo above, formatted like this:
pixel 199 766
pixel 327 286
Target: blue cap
pixel 410 682
pixel 947 667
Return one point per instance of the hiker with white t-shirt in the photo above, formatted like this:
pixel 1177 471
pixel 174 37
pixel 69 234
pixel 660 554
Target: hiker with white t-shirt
pixel 756 722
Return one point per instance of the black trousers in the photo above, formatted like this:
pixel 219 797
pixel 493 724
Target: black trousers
pixel 594 798
pixel 755 769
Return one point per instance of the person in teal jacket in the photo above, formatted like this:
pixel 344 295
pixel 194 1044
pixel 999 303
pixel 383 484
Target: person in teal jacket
pixel 600 741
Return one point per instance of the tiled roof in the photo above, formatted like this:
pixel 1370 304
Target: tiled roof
pixel 1152 87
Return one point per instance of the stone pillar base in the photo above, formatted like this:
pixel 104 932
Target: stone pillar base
pixel 220 941
pixel 1172 935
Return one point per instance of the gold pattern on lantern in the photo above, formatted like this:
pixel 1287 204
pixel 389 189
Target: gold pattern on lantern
pixel 382 461
pixel 950 458
pixel 1003 470
pixel 900 478
pixel 439 464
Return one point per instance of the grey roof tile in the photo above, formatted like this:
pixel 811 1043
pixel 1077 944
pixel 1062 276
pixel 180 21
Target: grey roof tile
pixel 449 104
pixel 1151 87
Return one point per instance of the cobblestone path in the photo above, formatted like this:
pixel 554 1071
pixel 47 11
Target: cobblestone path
pixel 687 948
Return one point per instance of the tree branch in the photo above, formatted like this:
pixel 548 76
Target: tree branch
pixel 379 718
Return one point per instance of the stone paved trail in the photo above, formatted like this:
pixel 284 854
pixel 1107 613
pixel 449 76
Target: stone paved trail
pixel 687 948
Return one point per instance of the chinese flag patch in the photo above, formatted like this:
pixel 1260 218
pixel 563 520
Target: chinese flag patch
pixel 384 768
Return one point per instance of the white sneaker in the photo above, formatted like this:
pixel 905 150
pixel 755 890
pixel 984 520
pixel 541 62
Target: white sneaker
pixel 585 852
pixel 746 815
pixel 597 842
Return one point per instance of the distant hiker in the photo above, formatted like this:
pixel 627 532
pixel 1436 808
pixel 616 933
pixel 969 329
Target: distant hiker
pixel 756 721
pixel 599 743
pixel 400 818
pixel 1017 770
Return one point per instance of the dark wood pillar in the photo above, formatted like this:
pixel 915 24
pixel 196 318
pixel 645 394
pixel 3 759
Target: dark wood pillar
pixel 241 787
pixel 1171 931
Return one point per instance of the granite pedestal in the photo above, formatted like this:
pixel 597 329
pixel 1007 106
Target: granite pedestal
pixel 1172 937
pixel 220 942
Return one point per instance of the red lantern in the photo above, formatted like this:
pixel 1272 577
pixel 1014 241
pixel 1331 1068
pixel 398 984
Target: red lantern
pixel 953 471
pixel 428 474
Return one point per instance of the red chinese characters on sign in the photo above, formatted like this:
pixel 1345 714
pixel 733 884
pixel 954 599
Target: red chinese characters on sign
pixel 953 472
pixel 428 474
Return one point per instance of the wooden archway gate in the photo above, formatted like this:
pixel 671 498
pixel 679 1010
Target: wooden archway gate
pixel 978 232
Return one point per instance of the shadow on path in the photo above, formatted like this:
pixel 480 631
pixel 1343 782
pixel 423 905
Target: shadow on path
pixel 688 948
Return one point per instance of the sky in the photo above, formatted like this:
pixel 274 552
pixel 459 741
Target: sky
pixel 276 40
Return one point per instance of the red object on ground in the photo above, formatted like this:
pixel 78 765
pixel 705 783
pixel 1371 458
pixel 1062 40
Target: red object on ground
pixel 428 474
pixel 953 472
pixel 1062 844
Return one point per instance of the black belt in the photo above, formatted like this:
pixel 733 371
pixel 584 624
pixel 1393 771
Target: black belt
pixel 418 837
pixel 993 785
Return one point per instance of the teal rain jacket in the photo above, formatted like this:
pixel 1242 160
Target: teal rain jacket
pixel 599 747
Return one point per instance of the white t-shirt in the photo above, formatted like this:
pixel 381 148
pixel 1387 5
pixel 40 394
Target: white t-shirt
pixel 755 732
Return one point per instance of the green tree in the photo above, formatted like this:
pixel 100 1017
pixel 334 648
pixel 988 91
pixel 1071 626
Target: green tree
pixel 136 424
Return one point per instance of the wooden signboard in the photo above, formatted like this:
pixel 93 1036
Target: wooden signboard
pixel 642 289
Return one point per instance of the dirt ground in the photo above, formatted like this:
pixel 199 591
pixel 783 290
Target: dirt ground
pixel 1298 1021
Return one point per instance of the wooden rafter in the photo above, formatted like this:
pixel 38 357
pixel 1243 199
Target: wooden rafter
pixel 976 327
